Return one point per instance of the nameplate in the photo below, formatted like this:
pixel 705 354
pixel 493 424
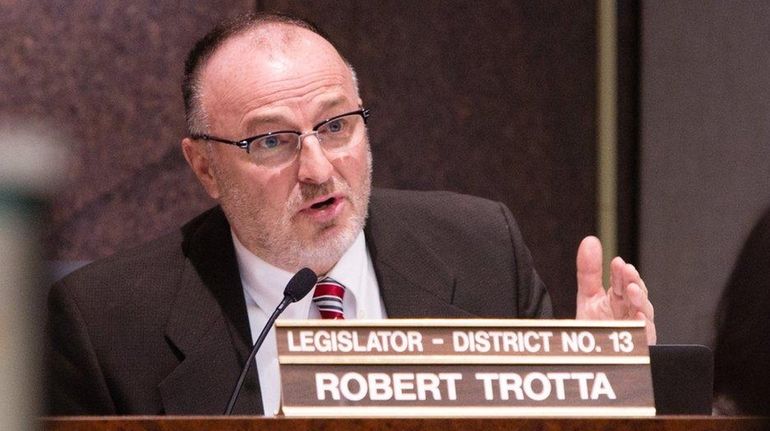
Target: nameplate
pixel 462 368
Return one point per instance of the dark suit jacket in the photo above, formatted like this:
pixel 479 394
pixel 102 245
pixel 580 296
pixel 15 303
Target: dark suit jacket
pixel 163 329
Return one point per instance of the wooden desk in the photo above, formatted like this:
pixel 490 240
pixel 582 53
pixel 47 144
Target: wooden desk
pixel 241 423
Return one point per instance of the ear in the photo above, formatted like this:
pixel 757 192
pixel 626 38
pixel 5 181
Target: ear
pixel 199 160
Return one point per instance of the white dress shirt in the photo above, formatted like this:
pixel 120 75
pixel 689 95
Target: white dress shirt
pixel 263 286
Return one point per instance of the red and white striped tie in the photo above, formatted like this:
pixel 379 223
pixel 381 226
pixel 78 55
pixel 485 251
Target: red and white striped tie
pixel 328 298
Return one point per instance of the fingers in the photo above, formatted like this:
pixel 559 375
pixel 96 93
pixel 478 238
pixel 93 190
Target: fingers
pixel 639 302
pixel 617 277
pixel 637 293
pixel 589 268
pixel 649 328
pixel 631 275
pixel 624 302
pixel 636 278
pixel 627 297
pixel 617 291
pixel 640 308
pixel 652 335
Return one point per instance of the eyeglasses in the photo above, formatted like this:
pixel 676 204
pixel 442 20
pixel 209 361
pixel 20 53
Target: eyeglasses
pixel 335 134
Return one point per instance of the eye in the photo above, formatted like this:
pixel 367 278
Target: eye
pixel 276 141
pixel 335 126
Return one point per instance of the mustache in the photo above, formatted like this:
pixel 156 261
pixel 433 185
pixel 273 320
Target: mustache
pixel 308 192
pixel 312 191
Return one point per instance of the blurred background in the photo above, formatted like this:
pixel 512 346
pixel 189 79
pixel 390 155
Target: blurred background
pixel 497 98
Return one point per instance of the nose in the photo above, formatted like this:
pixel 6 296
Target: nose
pixel 314 166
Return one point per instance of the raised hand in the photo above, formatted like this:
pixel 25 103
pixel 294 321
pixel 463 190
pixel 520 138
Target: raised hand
pixel 626 298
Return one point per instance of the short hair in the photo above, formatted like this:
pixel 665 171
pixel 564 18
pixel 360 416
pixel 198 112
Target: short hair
pixel 205 47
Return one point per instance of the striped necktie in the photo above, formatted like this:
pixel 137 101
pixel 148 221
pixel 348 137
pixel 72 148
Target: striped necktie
pixel 328 298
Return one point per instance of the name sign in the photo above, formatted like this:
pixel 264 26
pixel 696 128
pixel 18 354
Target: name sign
pixel 461 368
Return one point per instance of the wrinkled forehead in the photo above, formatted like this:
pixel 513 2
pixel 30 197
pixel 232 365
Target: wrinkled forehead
pixel 271 55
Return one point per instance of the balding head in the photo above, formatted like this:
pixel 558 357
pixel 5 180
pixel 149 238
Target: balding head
pixel 256 25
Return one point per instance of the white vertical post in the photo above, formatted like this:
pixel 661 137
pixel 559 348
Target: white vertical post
pixel 30 164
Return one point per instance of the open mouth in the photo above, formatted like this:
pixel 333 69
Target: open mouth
pixel 323 204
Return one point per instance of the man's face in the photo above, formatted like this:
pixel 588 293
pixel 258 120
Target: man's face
pixel 307 211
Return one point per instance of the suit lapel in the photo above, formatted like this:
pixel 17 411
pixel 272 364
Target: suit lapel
pixel 209 326
pixel 414 281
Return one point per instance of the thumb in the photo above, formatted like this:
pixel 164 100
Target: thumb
pixel 589 268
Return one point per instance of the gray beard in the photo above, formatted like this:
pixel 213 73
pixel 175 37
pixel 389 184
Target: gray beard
pixel 295 253
pixel 276 243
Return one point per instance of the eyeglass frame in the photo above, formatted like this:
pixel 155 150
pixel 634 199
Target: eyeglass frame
pixel 245 144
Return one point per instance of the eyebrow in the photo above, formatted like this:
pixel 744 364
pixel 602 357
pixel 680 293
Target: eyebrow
pixel 332 102
pixel 254 124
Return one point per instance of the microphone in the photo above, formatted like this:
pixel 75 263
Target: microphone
pixel 299 286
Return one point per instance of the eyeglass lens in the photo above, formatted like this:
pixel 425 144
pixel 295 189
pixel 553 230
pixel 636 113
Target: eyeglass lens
pixel 334 135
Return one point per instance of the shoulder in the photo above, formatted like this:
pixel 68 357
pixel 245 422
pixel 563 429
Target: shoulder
pixel 443 221
pixel 441 211
pixel 145 273
pixel 394 196
pixel 126 280
pixel 476 240
pixel 135 260
pixel 434 203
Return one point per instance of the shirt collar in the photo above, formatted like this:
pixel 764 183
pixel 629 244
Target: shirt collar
pixel 265 283
pixel 350 269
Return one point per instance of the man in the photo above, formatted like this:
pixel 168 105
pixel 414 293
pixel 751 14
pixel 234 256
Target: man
pixel 278 138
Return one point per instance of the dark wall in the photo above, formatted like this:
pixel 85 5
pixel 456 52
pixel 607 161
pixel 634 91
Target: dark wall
pixel 488 98
pixel 107 74
pixel 705 177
